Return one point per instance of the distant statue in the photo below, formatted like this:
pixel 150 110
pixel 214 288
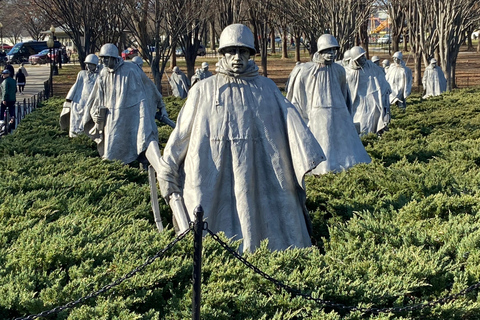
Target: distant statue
pixel 138 61
pixel 241 150
pixel 370 93
pixel 346 58
pixel 434 82
pixel 74 105
pixel 201 73
pixel 120 112
pixel 376 60
pixel 385 65
pixel 399 76
pixel 179 83
pixel 320 92
pixel 292 74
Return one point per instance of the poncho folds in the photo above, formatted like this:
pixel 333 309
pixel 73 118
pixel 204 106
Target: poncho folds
pixel 72 113
pixel 241 150
pixel 180 85
pixel 320 93
pixel 370 93
pixel 131 100
pixel 400 79
pixel 434 82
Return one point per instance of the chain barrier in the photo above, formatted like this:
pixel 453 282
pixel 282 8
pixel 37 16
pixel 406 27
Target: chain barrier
pixel 111 285
pixel 334 305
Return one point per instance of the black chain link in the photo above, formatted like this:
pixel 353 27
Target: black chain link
pixel 334 305
pixel 111 285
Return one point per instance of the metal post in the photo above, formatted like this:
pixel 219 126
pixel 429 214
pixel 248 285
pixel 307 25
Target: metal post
pixel 197 262
pixel 51 74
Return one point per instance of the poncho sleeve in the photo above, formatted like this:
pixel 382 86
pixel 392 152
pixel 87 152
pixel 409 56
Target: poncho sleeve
pixel 171 174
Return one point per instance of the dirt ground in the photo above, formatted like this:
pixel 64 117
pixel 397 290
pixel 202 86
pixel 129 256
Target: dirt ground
pixel 467 73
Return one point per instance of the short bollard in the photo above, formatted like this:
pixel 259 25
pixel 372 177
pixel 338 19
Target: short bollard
pixel 197 262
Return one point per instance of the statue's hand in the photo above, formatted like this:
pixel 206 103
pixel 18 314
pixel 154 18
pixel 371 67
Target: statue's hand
pixel 98 118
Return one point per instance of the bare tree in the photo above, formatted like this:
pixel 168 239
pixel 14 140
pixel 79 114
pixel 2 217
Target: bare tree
pixel 12 21
pixel 396 9
pixel 88 23
pixel 452 18
pixel 259 14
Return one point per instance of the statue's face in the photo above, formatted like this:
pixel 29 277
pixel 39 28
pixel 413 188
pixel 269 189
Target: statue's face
pixel 361 61
pixel 328 55
pixel 237 58
pixel 110 62
pixel 396 60
pixel 91 67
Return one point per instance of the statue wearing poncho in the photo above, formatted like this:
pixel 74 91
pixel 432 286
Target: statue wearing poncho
pixel 131 103
pixel 74 107
pixel 434 82
pixel 320 92
pixel 370 93
pixel 241 150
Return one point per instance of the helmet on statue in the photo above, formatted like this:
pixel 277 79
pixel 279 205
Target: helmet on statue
pixel 138 61
pixel 91 58
pixel 356 52
pixel 237 35
pixel 109 50
pixel 327 41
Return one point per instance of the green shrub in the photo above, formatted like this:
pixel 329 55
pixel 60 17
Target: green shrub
pixel 399 231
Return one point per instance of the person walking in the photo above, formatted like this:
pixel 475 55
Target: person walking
pixel 20 78
pixel 8 88
pixel 22 67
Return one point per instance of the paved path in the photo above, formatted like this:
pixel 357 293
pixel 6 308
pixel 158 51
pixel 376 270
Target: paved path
pixel 37 75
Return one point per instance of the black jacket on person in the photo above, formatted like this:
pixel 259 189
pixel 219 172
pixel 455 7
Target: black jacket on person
pixel 20 77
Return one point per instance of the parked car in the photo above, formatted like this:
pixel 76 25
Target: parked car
pixel 385 39
pixel 200 52
pixel 129 53
pixel 23 50
pixel 40 58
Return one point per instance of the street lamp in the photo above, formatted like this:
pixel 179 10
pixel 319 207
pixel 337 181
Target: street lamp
pixel 52 31
pixel 50 45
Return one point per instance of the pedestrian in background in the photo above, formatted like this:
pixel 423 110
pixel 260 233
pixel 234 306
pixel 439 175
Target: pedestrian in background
pixel 9 88
pixel 20 78
pixel 24 71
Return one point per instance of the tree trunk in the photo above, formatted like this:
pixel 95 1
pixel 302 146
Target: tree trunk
pixel 285 44
pixel 212 36
pixel 418 69
pixel 173 58
pixel 297 48
pixel 272 40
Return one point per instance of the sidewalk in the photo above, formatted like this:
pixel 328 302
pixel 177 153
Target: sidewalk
pixel 37 75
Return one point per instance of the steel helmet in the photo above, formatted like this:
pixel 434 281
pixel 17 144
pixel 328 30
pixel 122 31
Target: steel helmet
pixel 175 69
pixel 356 52
pixel 237 35
pixel 375 58
pixel 109 50
pixel 346 55
pixel 204 65
pixel 327 41
pixel 138 61
pixel 398 55
pixel 433 60
pixel 386 62
pixel 91 58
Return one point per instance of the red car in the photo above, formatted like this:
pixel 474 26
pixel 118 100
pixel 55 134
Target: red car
pixel 129 53
pixel 40 58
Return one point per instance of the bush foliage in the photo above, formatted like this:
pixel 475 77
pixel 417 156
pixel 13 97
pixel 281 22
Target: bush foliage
pixel 400 231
